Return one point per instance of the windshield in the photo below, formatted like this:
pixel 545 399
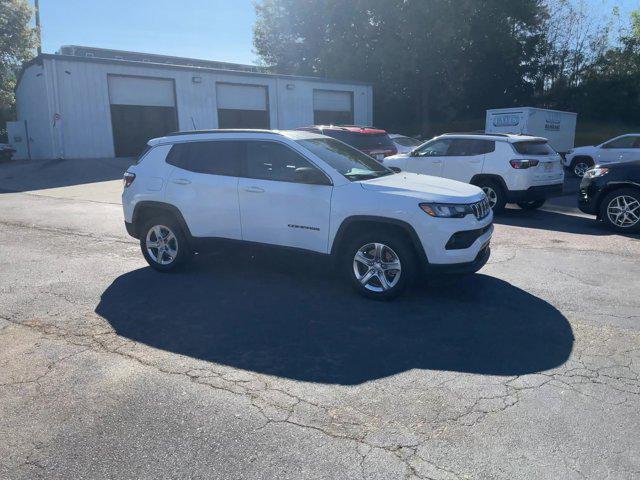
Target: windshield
pixel 348 161
pixel 533 148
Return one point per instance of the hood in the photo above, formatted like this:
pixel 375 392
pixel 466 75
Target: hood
pixel 399 155
pixel 425 187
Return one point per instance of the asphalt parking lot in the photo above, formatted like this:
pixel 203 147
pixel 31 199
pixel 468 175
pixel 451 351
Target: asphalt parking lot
pixel 264 366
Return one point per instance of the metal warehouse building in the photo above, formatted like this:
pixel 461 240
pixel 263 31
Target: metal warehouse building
pixel 89 103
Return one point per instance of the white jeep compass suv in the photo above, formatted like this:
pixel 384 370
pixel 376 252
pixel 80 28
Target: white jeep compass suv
pixel 509 168
pixel 304 191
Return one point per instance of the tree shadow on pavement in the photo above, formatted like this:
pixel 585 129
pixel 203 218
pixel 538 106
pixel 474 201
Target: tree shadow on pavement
pixel 291 316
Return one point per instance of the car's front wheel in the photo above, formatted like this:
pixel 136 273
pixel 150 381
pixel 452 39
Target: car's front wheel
pixel 379 265
pixel 580 165
pixel 620 210
pixel 164 245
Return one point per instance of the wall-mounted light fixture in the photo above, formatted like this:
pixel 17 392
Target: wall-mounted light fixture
pixel 196 79
pixel 290 86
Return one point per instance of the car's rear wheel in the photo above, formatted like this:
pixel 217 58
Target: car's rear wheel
pixel 379 265
pixel 620 210
pixel 163 244
pixel 580 165
pixel 495 194
pixel 532 205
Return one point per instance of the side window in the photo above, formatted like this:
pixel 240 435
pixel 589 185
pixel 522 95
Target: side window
pixel 219 157
pixel 435 148
pixel 274 161
pixel 467 147
pixel 624 142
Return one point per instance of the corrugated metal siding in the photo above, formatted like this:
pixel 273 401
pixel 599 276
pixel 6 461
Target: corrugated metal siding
pixel 32 106
pixel 82 100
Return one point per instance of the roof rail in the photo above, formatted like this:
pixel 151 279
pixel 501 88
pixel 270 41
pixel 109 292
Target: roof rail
pixel 222 130
pixel 478 132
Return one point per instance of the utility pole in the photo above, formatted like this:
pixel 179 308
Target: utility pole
pixel 37 7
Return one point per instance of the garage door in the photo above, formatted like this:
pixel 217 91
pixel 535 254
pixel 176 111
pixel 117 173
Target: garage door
pixel 332 107
pixel 242 106
pixel 141 109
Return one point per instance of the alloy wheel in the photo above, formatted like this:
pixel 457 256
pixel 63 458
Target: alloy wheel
pixel 161 244
pixel 377 267
pixel 581 168
pixel 492 196
pixel 624 211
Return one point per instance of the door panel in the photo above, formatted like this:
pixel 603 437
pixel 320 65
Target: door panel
pixel 204 186
pixel 209 203
pixel 285 213
pixel 274 207
pixel 462 168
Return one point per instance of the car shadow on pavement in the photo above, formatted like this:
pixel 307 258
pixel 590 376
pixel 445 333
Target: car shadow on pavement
pixel 292 317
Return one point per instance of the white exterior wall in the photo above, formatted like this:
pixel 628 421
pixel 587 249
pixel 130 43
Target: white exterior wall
pixel 78 91
pixel 32 105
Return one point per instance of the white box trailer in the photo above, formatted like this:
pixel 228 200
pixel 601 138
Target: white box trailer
pixel 556 126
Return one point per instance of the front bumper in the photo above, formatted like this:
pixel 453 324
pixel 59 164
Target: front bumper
pixel 589 196
pixel 130 229
pixel 540 192
pixel 462 268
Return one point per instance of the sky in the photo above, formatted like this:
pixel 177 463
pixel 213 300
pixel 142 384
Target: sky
pixel 207 29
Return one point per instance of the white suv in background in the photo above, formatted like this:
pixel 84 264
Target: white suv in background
pixel 305 191
pixel 509 168
pixel 625 148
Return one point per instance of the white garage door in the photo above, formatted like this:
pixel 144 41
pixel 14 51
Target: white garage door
pixel 242 106
pixel 332 107
pixel 331 101
pixel 241 97
pixel 150 92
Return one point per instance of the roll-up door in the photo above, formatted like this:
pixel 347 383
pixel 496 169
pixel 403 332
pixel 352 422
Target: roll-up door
pixel 142 108
pixel 242 106
pixel 332 107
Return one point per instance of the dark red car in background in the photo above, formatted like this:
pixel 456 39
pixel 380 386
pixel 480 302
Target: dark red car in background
pixel 372 141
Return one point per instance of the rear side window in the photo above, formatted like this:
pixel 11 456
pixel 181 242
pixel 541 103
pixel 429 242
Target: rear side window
pixel 533 148
pixel 362 140
pixel 221 157
pixel 407 141
pixel 467 147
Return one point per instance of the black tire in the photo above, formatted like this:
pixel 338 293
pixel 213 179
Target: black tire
pixel 580 164
pixel 500 199
pixel 610 201
pixel 533 205
pixel 397 245
pixel 181 244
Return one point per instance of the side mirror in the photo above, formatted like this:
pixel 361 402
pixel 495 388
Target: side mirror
pixel 395 169
pixel 311 176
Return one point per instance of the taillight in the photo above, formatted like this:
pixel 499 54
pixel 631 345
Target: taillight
pixel 128 179
pixel 522 164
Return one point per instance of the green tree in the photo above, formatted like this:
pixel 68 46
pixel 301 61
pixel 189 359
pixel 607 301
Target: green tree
pixel 17 41
pixel 429 60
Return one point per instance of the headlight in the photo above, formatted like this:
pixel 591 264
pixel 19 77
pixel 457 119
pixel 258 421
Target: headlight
pixel 446 210
pixel 596 172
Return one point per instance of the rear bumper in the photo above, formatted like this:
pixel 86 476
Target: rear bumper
pixel 462 268
pixel 540 192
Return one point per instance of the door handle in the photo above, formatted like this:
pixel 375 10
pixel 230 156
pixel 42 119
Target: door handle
pixel 181 181
pixel 254 190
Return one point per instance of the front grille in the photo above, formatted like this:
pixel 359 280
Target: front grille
pixel 481 209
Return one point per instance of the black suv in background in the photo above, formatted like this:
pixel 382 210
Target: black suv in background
pixel 612 193
pixel 374 142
